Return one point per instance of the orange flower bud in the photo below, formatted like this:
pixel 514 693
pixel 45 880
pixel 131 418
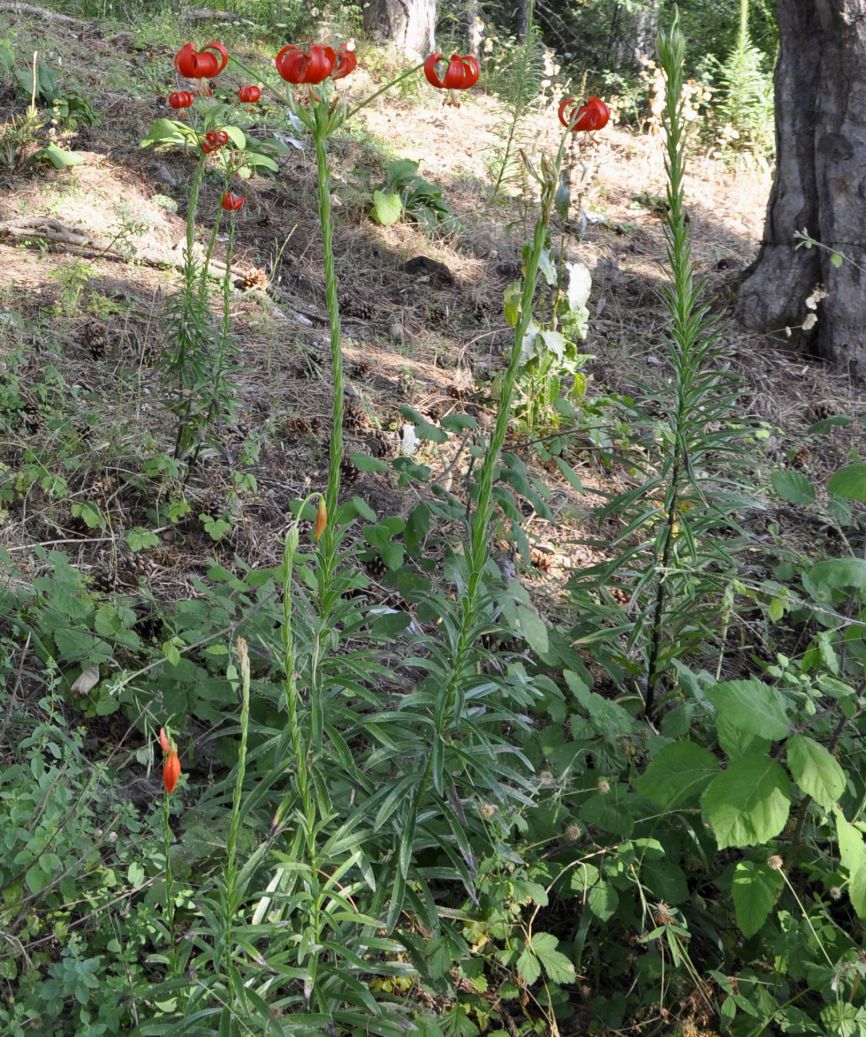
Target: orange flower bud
pixel 171 766
pixel 171 771
pixel 321 519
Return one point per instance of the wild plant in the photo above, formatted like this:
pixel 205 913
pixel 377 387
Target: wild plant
pixel 677 521
pixel 199 356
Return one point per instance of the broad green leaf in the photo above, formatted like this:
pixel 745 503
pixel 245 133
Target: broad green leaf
pixel 815 770
pixel 458 422
pixel 753 707
pixel 559 969
pixel 857 892
pixel 513 295
pixel 387 208
pixel 139 539
pixel 533 628
pixel 365 463
pixel 835 574
pixel 849 482
pixel 603 900
pixel 748 804
pixel 58 158
pixel 676 774
pixel 793 487
pixel 528 966
pixel 755 889
pixel 852 850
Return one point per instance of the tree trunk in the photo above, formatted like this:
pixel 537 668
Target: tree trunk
pixel 521 20
pixel 645 30
pixel 471 27
pixel 409 24
pixel 820 184
pixel 633 34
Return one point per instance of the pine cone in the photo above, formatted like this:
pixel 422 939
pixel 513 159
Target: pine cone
pixel 375 567
pixel 253 280
pixel 348 472
pixel 354 418
pixel 354 307
pixel 94 338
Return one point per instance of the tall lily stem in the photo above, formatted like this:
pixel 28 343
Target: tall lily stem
pixel 479 526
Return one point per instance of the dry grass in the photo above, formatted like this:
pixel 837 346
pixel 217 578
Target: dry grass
pixel 409 338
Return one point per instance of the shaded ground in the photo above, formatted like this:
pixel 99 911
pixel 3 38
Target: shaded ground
pixel 84 330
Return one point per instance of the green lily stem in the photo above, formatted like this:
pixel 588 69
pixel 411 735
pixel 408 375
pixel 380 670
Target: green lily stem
pixel 382 90
pixel 230 900
pixel 285 97
pixel 169 881
pixel 480 522
pixel 300 753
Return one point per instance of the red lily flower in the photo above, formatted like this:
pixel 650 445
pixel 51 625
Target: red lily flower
pixel 232 201
pixel 181 99
pixel 214 140
pixel 300 66
pixel 462 71
pixel 593 115
pixel 171 766
pixel 346 62
pixel 249 94
pixel 201 64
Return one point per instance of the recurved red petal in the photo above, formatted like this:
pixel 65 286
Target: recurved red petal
pixel 292 64
pixel 322 61
pixel 346 62
pixel 164 741
pixel 221 57
pixel 430 70
pixel 184 60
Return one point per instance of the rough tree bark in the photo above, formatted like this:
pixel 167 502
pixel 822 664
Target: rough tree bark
pixel 521 20
pixel 820 184
pixel 633 34
pixel 409 24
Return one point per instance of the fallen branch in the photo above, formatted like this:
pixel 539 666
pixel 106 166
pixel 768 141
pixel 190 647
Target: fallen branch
pixel 40 12
pixel 46 228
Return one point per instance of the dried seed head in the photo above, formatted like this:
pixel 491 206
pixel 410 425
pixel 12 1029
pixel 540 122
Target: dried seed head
pixel 775 862
pixel 603 786
pixel 573 832
pixel 487 810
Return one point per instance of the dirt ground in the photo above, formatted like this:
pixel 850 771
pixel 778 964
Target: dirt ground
pixel 425 336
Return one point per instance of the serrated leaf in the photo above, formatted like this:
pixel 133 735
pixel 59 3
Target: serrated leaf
pixel 793 487
pixel 849 482
pixel 815 770
pixel 753 707
pixel 528 966
pixel 676 774
pixel 458 422
pixel 139 539
pixel 365 463
pixel 603 900
pixel 755 889
pixel 558 968
pixel 748 804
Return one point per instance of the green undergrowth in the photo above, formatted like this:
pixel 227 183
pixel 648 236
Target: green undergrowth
pixel 417 795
